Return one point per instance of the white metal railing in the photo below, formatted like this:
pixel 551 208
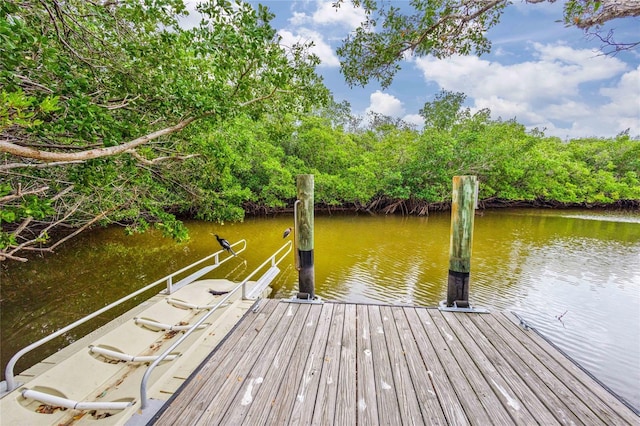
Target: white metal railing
pixel 273 259
pixel 171 287
pixel 9 376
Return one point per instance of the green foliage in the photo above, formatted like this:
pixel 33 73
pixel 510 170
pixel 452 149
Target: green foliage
pixel 576 11
pixel 391 30
pixel 97 76
pixel 84 77
pixel 511 163
pixel 445 110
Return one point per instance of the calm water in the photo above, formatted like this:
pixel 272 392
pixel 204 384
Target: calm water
pixel 574 275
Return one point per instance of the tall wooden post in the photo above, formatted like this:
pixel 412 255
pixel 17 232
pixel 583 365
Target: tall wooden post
pixel 304 237
pixel 462 214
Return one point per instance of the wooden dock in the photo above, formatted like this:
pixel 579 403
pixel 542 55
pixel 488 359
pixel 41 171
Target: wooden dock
pixel 347 364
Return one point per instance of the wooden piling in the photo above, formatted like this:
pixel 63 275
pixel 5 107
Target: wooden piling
pixel 462 214
pixel 304 237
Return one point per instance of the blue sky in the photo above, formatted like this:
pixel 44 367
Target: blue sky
pixel 542 74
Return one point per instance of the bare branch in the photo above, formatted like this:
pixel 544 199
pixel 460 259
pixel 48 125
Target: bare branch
pixel 609 9
pixel 6 256
pixel 159 159
pixel 63 192
pixel 83 227
pixel 9 254
pixel 609 45
pixel 23 226
pixel 123 104
pixel 261 98
pixel 462 18
pixel 27 80
pixel 20 194
pixel 27 244
pixel 36 154
pixel 37 165
pixel 61 146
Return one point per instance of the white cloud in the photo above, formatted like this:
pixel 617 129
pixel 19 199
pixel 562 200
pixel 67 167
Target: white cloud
pixel 303 27
pixel 385 104
pixel 623 105
pixel 415 119
pixel 322 49
pixel 299 19
pixel 589 64
pixel 507 109
pixel 553 87
pixel 347 15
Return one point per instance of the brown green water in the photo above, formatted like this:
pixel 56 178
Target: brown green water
pixel 580 266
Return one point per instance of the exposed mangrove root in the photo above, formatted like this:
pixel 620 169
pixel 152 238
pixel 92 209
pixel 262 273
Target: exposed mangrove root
pixel 414 207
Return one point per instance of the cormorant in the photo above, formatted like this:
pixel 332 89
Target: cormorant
pixel 225 244
pixel 286 233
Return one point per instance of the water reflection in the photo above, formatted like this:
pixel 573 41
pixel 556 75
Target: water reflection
pixel 582 267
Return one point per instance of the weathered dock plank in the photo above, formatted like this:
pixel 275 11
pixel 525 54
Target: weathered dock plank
pixel 504 378
pixel 346 402
pixel 451 371
pixel 307 386
pixel 406 389
pixel 503 387
pixel 365 370
pixel 253 395
pixel 287 393
pixel 324 410
pixel 217 368
pixel 387 391
pixel 440 383
pixel 299 364
pixel 433 412
pixel 249 369
pixel 552 393
pixel 581 387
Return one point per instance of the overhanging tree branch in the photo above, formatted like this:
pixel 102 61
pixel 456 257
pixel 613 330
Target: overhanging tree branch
pixel 456 17
pixel 65 158
pixel 20 194
pixel 609 9
pixel 47 156
pixel 158 159
pixel 448 27
pixel 104 80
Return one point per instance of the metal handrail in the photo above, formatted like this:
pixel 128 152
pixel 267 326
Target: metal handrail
pixel 296 255
pixel 9 376
pixel 161 357
pixel 271 259
pixel 216 256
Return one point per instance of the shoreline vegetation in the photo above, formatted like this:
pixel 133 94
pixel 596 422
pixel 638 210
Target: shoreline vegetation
pixel 113 114
pixel 248 167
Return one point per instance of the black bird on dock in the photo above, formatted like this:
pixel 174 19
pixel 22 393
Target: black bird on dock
pixel 286 233
pixel 225 244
